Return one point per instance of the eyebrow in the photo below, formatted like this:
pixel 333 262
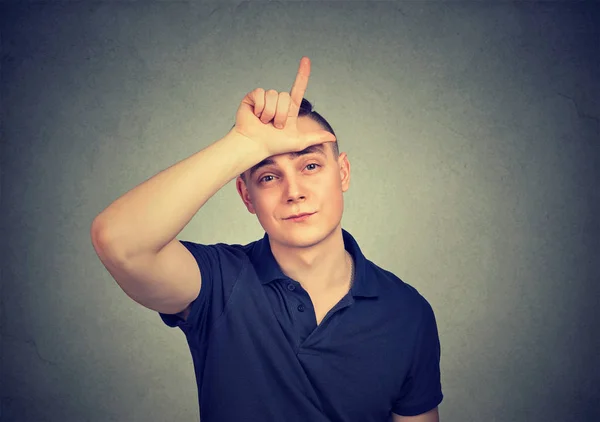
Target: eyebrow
pixel 318 149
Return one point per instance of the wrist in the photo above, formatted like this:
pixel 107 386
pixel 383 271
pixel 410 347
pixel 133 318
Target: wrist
pixel 249 151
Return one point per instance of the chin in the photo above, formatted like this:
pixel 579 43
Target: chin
pixel 301 236
pixel 304 239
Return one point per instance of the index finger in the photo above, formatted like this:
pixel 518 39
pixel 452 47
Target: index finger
pixel 299 87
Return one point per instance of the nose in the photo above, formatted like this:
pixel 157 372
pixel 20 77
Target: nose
pixel 294 190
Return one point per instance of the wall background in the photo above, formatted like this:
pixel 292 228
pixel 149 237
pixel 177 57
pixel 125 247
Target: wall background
pixel 473 133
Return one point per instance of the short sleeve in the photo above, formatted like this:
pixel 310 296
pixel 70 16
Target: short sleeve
pixel 422 389
pixel 220 266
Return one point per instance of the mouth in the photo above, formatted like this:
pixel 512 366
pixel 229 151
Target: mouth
pixel 300 217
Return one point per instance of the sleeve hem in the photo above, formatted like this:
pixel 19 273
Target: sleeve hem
pixel 176 321
pixel 420 409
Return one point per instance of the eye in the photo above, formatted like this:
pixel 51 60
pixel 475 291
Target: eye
pixel 262 179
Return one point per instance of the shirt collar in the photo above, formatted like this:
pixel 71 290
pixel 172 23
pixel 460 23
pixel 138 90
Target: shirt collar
pixel 268 269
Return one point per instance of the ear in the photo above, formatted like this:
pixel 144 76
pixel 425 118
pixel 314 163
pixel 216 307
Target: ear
pixel 243 192
pixel 344 165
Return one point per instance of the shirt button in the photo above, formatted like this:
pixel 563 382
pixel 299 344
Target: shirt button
pixel 301 308
pixel 291 287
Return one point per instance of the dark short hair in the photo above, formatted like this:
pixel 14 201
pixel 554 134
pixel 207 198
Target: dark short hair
pixel 306 109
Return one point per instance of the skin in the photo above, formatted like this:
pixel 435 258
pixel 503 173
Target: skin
pixel 430 416
pixel 311 252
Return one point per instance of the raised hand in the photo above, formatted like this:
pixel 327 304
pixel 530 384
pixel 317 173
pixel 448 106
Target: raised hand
pixel 269 118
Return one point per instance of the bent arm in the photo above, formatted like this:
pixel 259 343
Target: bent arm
pixel 135 237
pixel 149 216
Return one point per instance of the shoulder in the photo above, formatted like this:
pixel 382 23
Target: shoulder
pixel 233 249
pixel 220 255
pixel 391 284
pixel 396 293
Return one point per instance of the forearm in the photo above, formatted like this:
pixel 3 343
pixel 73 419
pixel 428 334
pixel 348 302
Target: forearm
pixel 152 214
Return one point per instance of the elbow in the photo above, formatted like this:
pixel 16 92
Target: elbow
pixel 101 239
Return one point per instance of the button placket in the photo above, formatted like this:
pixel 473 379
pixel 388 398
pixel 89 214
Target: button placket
pixel 291 287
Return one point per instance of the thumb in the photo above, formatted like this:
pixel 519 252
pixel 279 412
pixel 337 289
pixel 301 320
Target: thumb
pixel 318 137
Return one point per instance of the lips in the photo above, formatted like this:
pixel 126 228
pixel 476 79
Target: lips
pixel 299 215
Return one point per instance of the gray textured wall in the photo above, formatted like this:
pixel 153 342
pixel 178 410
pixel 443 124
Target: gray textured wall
pixel 473 133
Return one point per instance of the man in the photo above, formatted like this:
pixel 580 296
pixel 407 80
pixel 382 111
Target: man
pixel 297 326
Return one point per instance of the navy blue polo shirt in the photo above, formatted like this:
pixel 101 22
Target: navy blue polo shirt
pixel 259 354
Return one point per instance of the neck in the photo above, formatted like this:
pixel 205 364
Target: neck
pixel 320 268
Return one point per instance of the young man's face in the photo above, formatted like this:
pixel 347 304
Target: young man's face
pixel 308 183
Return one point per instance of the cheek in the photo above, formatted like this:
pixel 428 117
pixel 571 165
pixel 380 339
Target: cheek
pixel 331 196
pixel 337 200
pixel 265 204
pixel 331 187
